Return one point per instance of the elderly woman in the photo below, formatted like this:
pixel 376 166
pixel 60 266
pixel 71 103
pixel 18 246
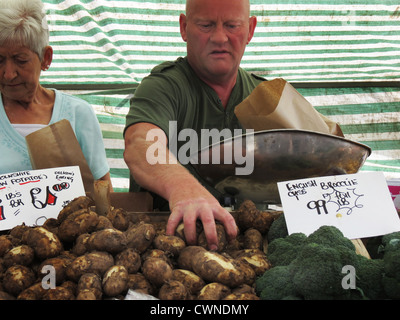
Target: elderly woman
pixel 25 105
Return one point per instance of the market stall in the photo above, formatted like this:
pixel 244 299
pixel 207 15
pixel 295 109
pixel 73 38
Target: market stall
pixel 342 58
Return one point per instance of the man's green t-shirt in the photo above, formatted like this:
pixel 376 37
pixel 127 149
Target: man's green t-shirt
pixel 174 98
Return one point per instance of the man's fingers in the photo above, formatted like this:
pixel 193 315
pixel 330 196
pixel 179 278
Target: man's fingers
pixel 189 223
pixel 190 212
pixel 173 221
pixel 210 230
pixel 228 222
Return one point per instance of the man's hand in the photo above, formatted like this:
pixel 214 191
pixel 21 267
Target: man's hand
pixel 188 200
pixel 207 210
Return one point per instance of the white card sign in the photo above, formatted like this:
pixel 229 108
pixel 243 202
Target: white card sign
pixel 360 205
pixel 33 196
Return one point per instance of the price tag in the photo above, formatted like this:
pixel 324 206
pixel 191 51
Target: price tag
pixel 360 205
pixel 31 197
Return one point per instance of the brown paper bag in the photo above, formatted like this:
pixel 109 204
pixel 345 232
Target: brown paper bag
pixel 57 146
pixel 276 104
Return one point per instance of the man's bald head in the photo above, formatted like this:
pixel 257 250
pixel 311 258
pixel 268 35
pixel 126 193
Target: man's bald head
pixel 191 5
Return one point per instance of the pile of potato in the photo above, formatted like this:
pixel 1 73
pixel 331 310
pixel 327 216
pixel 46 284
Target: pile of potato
pixel 86 256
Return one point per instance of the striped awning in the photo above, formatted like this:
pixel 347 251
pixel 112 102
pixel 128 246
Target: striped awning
pixel 343 56
pixel 105 41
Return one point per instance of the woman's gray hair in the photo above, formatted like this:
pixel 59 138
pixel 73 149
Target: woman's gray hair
pixel 23 22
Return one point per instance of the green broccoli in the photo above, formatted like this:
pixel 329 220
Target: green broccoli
pixel 391 242
pixel 330 236
pixel 392 287
pixel 275 284
pixel 369 277
pixel 317 272
pixel 278 229
pixel 282 251
pixel 391 263
pixel 313 268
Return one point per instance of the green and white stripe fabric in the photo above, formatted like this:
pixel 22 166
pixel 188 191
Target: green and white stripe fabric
pixel 104 48
pixel 119 41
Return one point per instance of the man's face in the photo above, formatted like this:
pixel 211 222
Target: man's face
pixel 216 32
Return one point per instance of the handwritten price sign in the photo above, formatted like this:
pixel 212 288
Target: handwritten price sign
pixel 360 205
pixel 31 197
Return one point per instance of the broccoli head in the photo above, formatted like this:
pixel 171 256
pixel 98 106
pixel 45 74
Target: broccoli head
pixel 278 229
pixel 391 263
pixel 391 287
pixel 369 277
pixel 275 284
pixel 317 272
pixel 330 236
pixel 283 251
pixel 391 242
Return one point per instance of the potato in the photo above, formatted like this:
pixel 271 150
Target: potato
pixel 221 234
pixel 70 285
pixel 242 296
pixel 5 244
pixel 22 255
pixel 253 239
pixel 93 262
pixel 138 282
pixel 80 246
pixel 170 244
pixel 189 279
pixel 235 244
pixel 119 218
pixel 140 236
pixel 6 296
pixel 250 217
pixel 173 290
pixel 45 243
pixel 109 240
pixel 214 267
pixel 17 278
pixel 77 223
pixel 18 231
pixel 34 292
pixel 255 258
pixel 59 264
pixel 89 287
pixel 52 225
pixel 82 202
pixel 214 291
pixel 249 275
pixel 86 294
pixel 139 217
pixel 185 258
pixel 157 271
pixel 155 253
pixel 115 281
pixel 103 223
pixel 130 259
pixel 58 293
pixel 244 288
pixel 180 230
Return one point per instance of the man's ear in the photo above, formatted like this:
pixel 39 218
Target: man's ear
pixel 252 27
pixel 182 25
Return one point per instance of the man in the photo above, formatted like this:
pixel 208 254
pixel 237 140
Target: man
pixel 197 92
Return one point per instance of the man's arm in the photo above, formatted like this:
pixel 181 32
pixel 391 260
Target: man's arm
pixel 188 199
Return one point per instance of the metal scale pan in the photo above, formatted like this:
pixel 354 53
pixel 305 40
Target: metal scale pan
pixel 279 155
